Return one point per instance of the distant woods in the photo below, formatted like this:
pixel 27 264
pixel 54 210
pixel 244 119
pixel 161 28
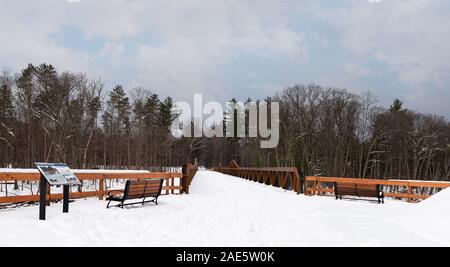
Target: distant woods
pixel 347 135
pixel 50 116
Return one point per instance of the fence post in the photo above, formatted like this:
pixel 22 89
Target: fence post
pixel 185 170
pixel 318 183
pixel 409 192
pixel 101 188
pixel 48 197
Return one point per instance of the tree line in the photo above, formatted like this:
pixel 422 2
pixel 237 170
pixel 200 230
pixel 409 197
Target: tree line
pixel 50 116
pixel 66 117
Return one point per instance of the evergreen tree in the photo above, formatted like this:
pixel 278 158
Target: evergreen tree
pixel 26 94
pixel 6 102
pixel 26 87
pixel 48 100
pixel 7 134
pixel 166 116
pixel 396 106
pixel 152 106
pixel 119 103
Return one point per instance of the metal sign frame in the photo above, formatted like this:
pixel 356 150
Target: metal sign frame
pixel 54 174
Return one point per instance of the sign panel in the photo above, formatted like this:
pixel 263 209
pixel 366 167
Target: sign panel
pixel 57 173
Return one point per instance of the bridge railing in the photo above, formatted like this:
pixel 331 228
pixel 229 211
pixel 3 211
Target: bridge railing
pixel 286 178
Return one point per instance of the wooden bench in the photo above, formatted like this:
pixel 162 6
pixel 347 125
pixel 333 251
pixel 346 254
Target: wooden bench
pixel 358 190
pixel 136 190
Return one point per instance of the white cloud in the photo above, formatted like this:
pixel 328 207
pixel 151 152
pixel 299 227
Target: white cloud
pixel 410 36
pixel 19 46
pixel 193 37
pixel 114 52
pixel 353 68
pixel 179 46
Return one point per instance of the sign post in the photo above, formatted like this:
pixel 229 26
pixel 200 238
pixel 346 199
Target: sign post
pixel 55 174
pixel 42 197
pixel 66 199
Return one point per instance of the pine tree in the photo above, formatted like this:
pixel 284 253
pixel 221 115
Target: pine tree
pixel 396 106
pixel 6 103
pixel 119 103
pixel 117 118
pixel 151 110
pixel 166 114
pixel 48 100
pixel 26 92
pixel 7 134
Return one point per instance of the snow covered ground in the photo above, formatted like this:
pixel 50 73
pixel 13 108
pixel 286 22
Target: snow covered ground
pixel 223 210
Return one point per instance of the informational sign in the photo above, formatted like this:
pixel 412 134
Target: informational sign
pixel 57 174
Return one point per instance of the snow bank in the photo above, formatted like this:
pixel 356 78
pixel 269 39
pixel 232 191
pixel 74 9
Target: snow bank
pixel 431 218
pixel 438 202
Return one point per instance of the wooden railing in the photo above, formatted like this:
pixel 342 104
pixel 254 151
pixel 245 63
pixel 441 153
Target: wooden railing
pixel 287 178
pixel 409 190
pixel 101 177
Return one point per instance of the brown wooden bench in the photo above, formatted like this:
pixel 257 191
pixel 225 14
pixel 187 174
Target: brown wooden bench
pixel 358 190
pixel 136 190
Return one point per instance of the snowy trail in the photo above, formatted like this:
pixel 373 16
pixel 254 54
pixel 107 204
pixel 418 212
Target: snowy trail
pixel 221 210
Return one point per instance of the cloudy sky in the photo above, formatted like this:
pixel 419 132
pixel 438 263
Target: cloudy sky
pixel 224 48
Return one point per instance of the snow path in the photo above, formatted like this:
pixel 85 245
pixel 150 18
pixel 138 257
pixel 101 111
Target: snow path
pixel 221 210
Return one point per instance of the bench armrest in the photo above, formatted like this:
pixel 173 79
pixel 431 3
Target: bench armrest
pixel 115 192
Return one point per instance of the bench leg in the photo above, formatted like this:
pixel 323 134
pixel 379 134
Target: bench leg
pixel 154 200
pixel 109 205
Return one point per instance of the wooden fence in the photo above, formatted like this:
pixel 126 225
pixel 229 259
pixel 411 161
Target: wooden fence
pixel 410 190
pixel 286 178
pixel 170 187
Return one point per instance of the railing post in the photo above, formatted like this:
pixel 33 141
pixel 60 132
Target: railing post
pixel 185 170
pixel 101 188
pixel 306 192
pixel 294 179
pixel 48 191
pixel 167 185
pixel 409 192
pixel 316 186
